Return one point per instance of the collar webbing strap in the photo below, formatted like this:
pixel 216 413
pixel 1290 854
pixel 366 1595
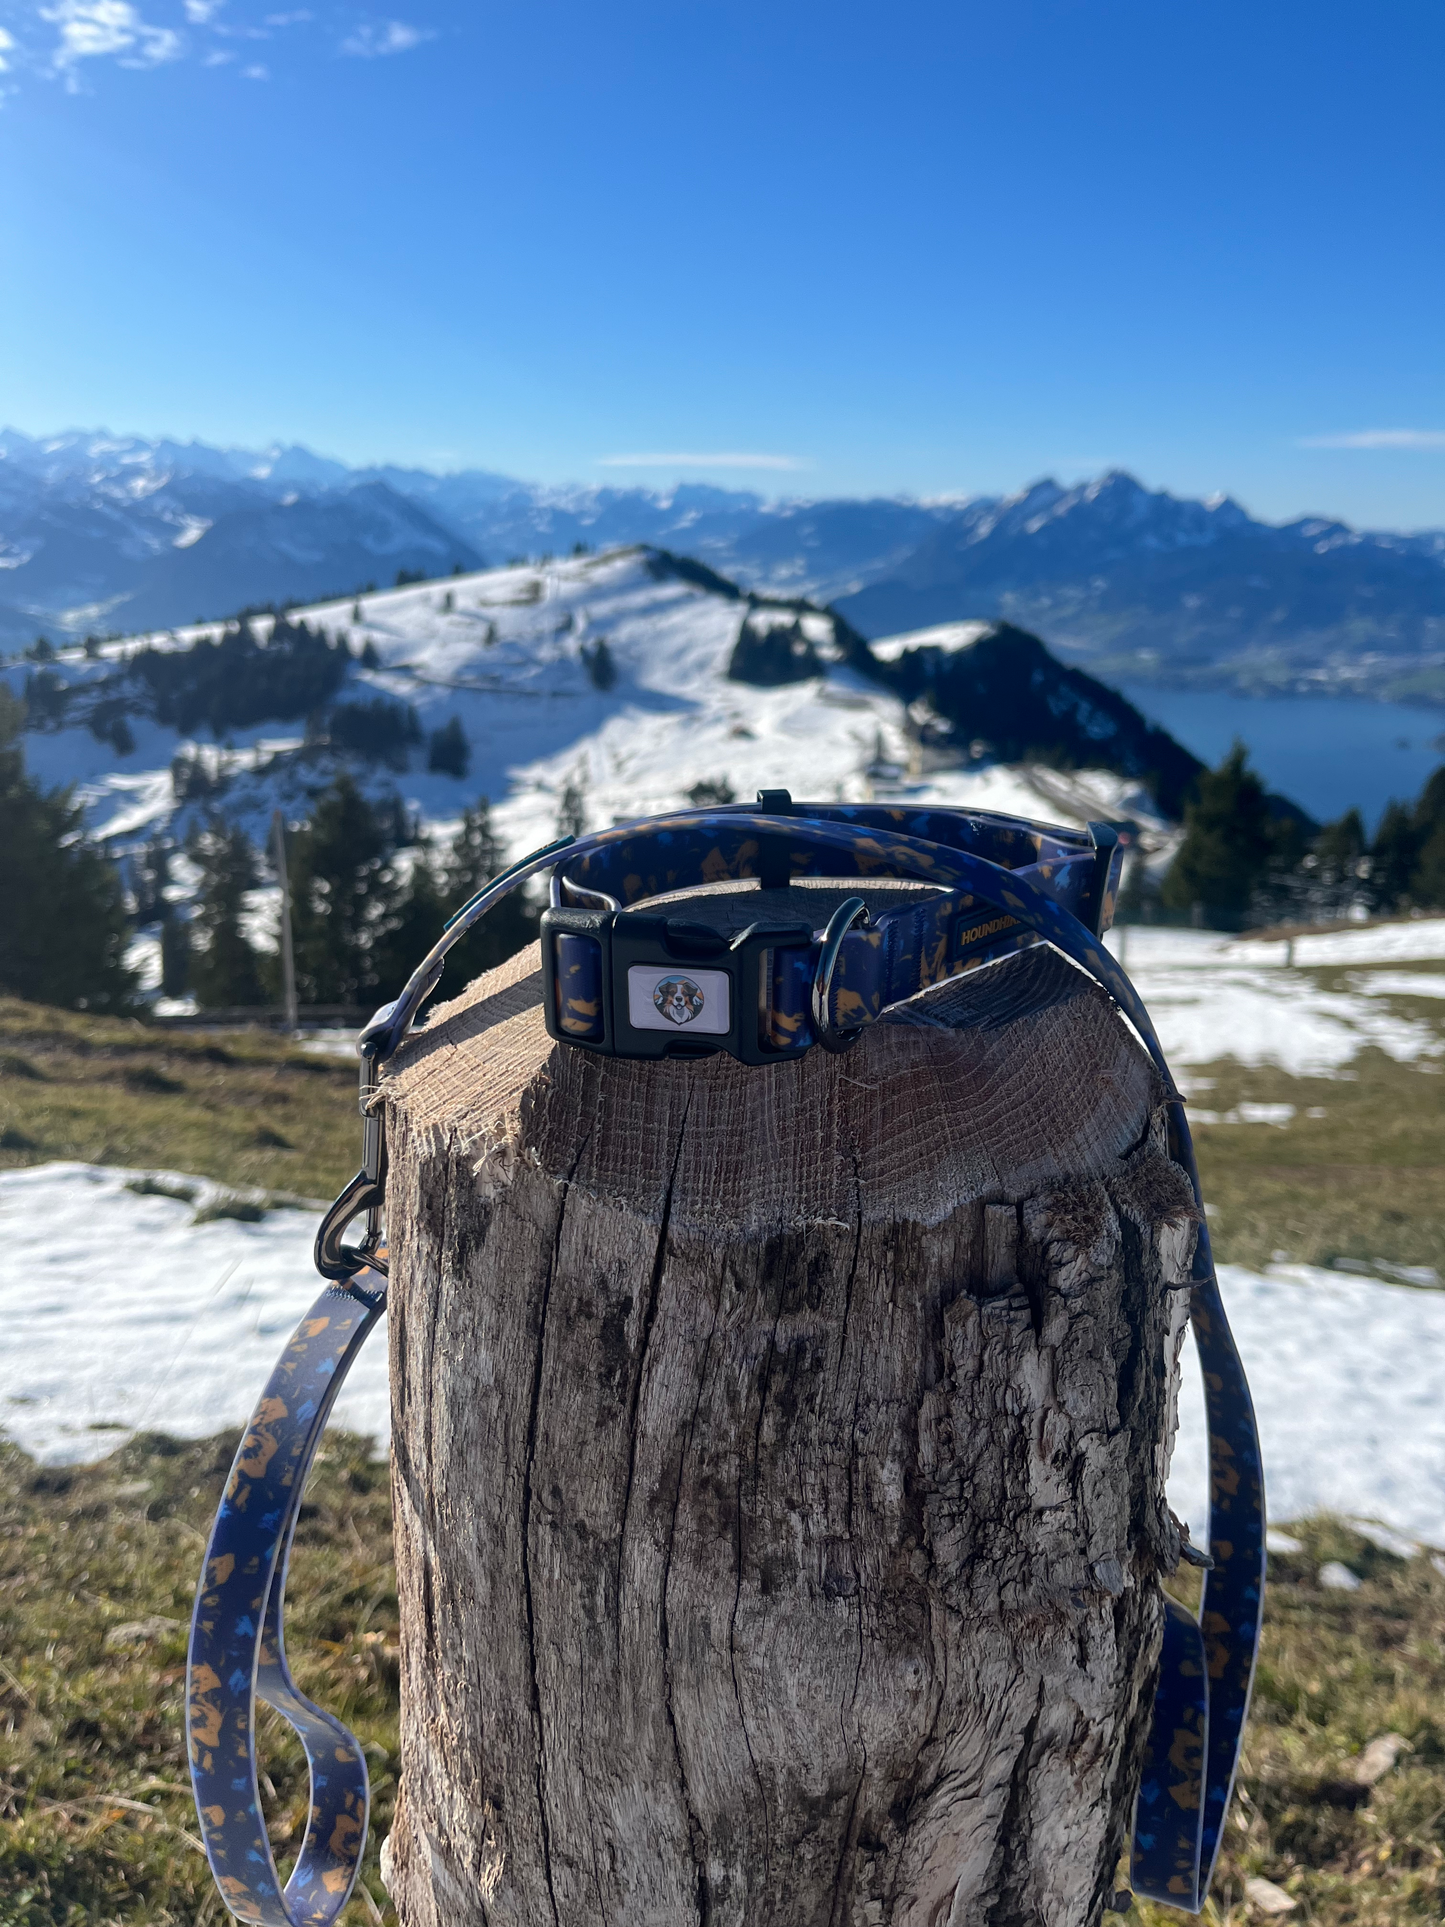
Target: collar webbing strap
pixel 1048 885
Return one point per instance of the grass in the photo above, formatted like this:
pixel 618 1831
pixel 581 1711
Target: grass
pixel 1358 1172
pixel 1337 1670
pixel 96 1824
pixel 242 1107
pixel 97 1570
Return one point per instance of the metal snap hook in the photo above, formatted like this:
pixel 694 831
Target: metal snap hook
pixel 852 910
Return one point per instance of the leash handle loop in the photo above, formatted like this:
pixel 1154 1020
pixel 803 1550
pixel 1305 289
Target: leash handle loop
pixel 237 1647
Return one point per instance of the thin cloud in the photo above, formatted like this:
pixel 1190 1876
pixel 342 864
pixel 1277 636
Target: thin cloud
pixel 7 43
pixel 391 37
pixel 96 29
pixel 1380 438
pixel 723 460
pixel 199 12
pixel 255 73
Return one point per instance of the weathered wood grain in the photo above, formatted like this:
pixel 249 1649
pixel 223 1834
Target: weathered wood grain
pixel 778 1466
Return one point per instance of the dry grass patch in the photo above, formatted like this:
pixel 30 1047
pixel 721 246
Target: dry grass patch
pixel 243 1107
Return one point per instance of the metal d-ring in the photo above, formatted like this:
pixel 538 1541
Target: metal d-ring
pixel 852 910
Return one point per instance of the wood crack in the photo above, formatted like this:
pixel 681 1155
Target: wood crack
pixel 697 1838
pixel 649 1315
pixel 738 1574
pixel 531 1455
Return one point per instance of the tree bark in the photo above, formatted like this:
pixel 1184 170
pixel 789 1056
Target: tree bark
pixel 779 1465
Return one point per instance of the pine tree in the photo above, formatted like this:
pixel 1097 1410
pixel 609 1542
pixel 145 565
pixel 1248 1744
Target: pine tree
pixel 1427 885
pixel 225 971
pixel 415 921
pixel 572 809
pixel 433 889
pixel 63 928
pixel 448 751
pixel 150 873
pixel 475 857
pixel 1427 882
pixel 600 664
pixel 1393 856
pixel 1230 844
pixel 175 954
pixel 1331 880
pixel 344 897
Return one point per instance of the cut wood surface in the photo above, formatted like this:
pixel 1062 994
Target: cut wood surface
pixel 779 1461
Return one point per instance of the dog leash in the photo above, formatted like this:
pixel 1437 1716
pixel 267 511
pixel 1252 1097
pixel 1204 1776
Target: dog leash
pixel 630 981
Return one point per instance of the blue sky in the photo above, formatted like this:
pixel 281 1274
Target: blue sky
pixel 921 248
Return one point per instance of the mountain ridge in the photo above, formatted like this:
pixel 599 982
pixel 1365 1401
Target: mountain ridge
pixel 631 676
pixel 100 531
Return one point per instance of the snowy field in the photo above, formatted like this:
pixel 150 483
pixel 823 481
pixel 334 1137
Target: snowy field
pixel 122 1312
pixel 1260 1003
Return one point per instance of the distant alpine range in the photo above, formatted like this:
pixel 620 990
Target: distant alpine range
pixel 101 534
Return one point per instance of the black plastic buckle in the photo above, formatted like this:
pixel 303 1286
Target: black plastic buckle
pixel 659 986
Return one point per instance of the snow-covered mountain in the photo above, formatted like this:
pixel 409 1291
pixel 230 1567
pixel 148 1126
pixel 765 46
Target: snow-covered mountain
pixel 100 534
pixel 631 677
pixel 1139 583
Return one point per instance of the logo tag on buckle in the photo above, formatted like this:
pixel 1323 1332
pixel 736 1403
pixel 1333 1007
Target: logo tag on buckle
pixel 659 998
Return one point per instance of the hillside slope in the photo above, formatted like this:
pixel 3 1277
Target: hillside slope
pixel 629 677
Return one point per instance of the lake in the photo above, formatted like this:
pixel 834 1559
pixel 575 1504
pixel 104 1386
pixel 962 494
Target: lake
pixel 1327 753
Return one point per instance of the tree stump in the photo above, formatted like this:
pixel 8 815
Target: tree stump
pixel 779 1465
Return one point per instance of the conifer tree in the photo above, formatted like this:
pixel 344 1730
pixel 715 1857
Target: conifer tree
pixel 475 857
pixel 572 809
pixel 225 971
pixel 1230 844
pixel 63 925
pixel 344 897
pixel 448 751
pixel 1427 883
pixel 414 922
pixel 600 664
pixel 175 954
pixel 150 873
pixel 1393 856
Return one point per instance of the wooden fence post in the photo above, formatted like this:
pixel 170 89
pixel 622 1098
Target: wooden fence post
pixel 779 1462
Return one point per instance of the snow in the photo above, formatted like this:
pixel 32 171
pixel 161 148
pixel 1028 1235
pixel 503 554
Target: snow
pixel 122 1313
pixel 1346 1375
pixel 502 652
pixel 1214 996
pixel 950 637
pixel 1400 983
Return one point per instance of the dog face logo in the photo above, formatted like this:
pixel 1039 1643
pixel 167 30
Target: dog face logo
pixel 679 999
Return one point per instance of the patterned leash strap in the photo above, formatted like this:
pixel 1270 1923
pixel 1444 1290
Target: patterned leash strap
pixel 999 884
pixel 238 1651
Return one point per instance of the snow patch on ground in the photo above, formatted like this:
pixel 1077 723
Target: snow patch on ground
pixel 1213 996
pixel 1346 1375
pixel 506 653
pixel 122 1313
